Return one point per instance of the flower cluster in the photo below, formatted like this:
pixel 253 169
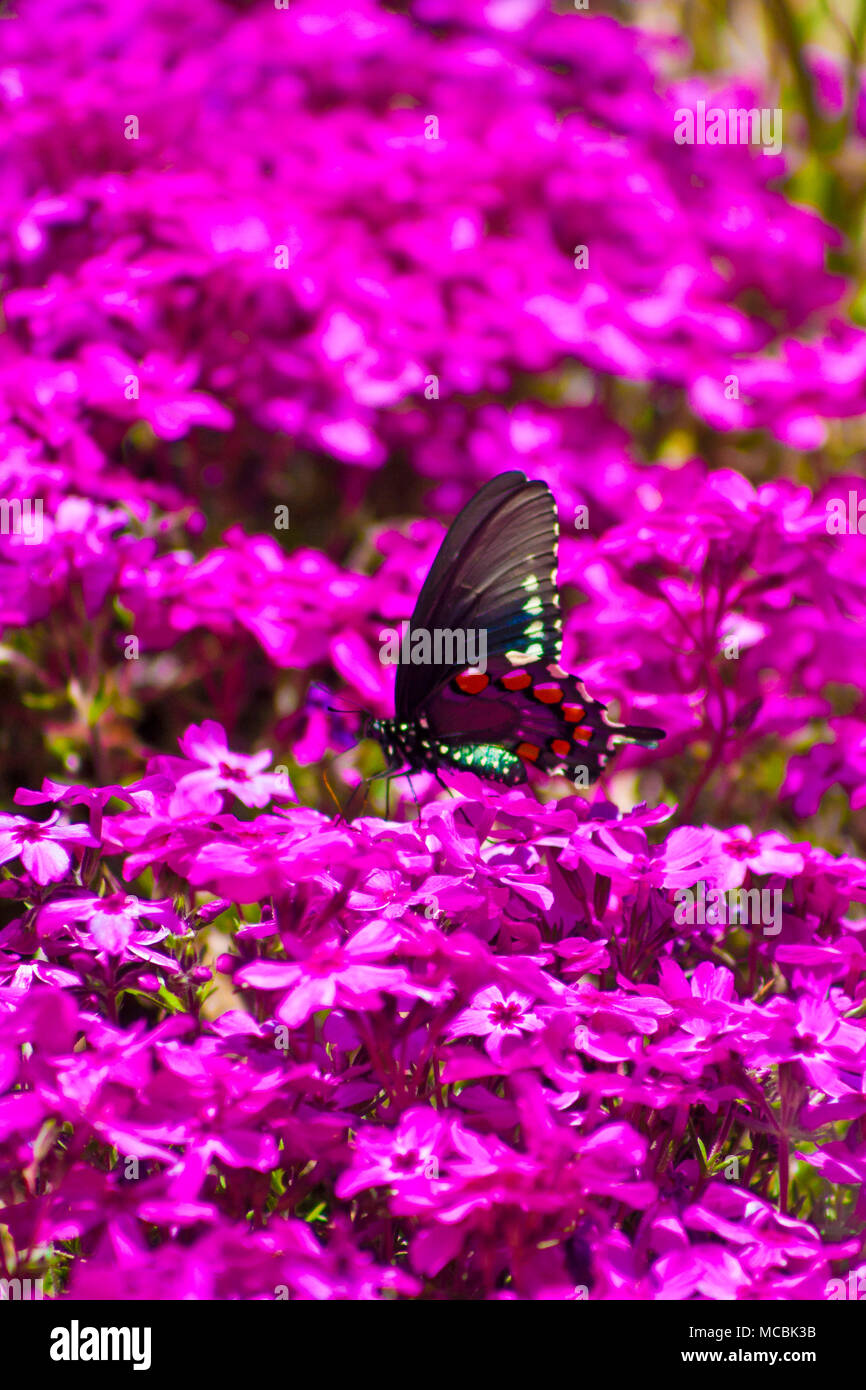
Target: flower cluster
pixel 477 1049
pixel 341 239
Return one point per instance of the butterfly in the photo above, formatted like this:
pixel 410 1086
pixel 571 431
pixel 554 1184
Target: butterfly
pixel 495 574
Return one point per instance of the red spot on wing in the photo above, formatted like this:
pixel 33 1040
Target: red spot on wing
pixel 530 751
pixel 583 735
pixel 561 747
pixel 516 680
pixel 548 694
pixel 573 713
pixel 472 682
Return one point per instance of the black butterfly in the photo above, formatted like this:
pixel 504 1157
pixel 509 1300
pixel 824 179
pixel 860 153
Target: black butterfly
pixel 496 573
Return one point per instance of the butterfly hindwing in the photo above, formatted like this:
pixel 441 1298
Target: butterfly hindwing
pixel 537 714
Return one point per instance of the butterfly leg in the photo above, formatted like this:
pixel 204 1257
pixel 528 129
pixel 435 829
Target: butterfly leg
pixel 388 775
pixel 414 796
pixel 444 785
pixel 377 777
pixel 452 793
pixel 343 815
pixel 365 785
pixel 450 790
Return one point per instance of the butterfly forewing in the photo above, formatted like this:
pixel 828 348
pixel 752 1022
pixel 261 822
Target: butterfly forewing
pixel 500 581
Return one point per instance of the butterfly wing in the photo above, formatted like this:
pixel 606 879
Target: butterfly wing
pixel 495 573
pixel 535 714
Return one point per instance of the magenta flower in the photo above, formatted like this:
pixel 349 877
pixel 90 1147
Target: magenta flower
pixel 767 853
pixel 400 1158
pixel 210 768
pixel 113 921
pixel 41 846
pixel 329 972
pixel 498 1017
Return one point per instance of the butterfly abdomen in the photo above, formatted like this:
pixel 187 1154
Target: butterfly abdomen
pixel 415 748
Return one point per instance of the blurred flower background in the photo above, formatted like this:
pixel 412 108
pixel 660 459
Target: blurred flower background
pixel 281 288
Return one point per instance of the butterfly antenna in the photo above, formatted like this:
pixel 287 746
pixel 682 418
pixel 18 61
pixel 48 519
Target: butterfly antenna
pixel 336 709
